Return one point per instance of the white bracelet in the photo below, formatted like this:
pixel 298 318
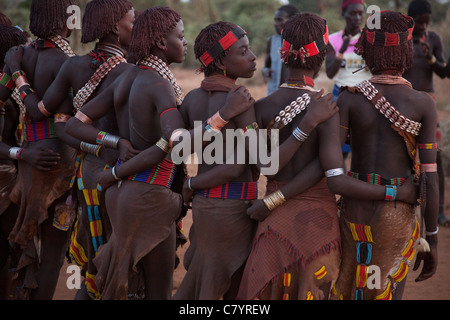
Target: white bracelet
pixel 113 171
pixel 300 135
pixel 432 233
pixel 189 184
pixel 334 172
pixel 14 153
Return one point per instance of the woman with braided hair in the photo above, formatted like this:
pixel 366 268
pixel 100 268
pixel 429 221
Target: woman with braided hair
pixel 40 194
pixel 296 249
pixel 41 159
pixel 392 136
pixel 110 22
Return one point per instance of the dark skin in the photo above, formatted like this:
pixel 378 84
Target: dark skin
pixel 421 72
pixel 381 150
pixel 353 15
pixel 39 158
pixel 210 175
pixel 74 74
pixel 41 68
pixel 131 91
pixel 319 153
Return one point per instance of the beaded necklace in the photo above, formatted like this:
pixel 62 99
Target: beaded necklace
pixel 62 44
pixel 163 70
pixel 116 58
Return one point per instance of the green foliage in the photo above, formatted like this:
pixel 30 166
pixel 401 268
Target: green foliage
pixel 255 16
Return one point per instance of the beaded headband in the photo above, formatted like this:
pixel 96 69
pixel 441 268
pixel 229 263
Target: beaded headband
pixel 223 44
pixel 306 51
pixel 387 39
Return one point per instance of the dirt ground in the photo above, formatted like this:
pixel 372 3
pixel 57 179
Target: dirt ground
pixel 436 288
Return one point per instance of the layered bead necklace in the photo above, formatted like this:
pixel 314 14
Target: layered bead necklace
pixel 163 70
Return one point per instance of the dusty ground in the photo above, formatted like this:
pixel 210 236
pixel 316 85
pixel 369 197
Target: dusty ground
pixel 436 288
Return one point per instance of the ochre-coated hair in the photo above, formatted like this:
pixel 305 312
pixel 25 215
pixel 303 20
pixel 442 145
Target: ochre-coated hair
pixel 4 19
pixel 300 30
pixel 49 17
pixel 150 28
pixel 380 58
pixel 205 40
pixel 10 37
pixel 101 17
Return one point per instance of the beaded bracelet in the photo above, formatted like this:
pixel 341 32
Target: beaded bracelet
pixel 391 193
pixel 6 81
pixel 26 92
pixel 217 122
pixel 252 126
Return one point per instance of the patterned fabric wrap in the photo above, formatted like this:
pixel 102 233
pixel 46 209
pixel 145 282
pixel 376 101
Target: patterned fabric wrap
pixel 232 190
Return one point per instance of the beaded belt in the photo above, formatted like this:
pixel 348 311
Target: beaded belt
pixel 35 131
pixel 162 174
pixel 232 190
pixel 374 178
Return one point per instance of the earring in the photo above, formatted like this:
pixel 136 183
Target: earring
pixel 224 72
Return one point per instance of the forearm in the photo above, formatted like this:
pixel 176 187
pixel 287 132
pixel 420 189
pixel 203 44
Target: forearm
pixel 81 131
pixel 146 159
pixel 439 68
pixel 431 201
pixel 305 179
pixel 352 188
pixel 66 138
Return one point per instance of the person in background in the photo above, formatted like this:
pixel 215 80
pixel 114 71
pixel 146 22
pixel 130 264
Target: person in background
pixel 274 70
pixel 343 65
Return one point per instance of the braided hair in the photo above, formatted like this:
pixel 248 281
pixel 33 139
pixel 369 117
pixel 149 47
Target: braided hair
pixel 48 17
pixel 10 37
pixel 150 28
pixel 380 58
pixel 300 30
pixel 101 17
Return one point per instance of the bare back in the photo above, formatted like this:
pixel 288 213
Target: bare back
pixel 199 105
pixel 376 147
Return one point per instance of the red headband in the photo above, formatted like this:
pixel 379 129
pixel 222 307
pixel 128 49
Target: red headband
pixel 220 46
pixel 386 39
pixel 308 50
pixel 349 2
